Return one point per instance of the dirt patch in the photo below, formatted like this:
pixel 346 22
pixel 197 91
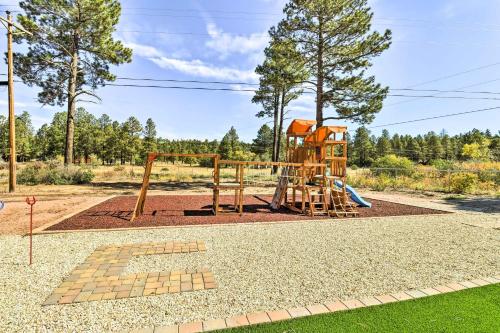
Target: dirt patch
pixel 175 210
pixel 14 218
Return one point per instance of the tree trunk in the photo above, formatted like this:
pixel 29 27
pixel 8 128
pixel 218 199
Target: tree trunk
pixel 70 123
pixel 281 118
pixel 319 78
pixel 275 132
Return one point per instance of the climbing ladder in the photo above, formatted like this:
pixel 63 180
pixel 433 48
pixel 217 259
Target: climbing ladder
pixel 341 207
pixel 317 198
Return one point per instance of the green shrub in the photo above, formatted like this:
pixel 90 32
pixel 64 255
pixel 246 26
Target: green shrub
pixel 354 167
pixel 401 166
pixel 463 182
pixel 381 183
pixel 443 165
pixel 54 173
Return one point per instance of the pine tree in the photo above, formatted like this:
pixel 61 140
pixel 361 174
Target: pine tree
pixel 229 145
pixel 280 75
pixel 434 147
pixel 384 144
pixel 85 134
pixel 397 145
pixel 337 43
pixel 130 140
pixel 414 150
pixel 70 52
pixel 263 143
pixel 149 142
pixel 363 149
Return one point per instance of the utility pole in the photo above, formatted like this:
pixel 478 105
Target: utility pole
pixel 12 117
pixel 10 82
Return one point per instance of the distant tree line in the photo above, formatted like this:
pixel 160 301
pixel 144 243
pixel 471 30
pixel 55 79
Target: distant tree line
pixel 365 148
pixel 106 141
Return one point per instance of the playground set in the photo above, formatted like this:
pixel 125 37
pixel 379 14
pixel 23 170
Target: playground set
pixel 315 172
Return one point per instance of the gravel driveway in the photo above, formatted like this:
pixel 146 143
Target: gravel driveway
pixel 257 267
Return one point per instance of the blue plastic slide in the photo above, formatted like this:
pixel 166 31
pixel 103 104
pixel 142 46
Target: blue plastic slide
pixel 354 195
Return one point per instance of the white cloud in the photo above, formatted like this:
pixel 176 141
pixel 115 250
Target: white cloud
pixel 192 67
pixel 144 50
pixel 201 69
pixel 226 44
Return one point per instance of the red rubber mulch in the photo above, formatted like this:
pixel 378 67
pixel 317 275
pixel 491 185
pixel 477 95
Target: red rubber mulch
pixel 170 210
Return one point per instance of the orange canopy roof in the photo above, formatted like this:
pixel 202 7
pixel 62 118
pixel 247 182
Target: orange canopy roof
pixel 322 133
pixel 300 126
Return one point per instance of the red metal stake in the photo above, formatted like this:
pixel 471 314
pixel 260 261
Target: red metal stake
pixel 31 202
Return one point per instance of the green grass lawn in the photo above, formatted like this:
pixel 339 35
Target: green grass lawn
pixel 472 310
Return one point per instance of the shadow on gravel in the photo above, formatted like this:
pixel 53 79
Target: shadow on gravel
pixel 483 205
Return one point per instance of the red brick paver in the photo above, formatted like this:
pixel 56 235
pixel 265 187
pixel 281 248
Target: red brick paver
pixel 386 299
pixel 191 327
pixel 101 277
pixel 237 321
pixel 430 291
pixel 369 301
pixel 278 315
pixel 214 324
pixel 353 303
pixel 258 318
pixel 444 289
pixel 298 312
pixel 336 306
pixel 317 309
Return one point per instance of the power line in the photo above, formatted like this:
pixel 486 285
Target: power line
pixel 453 75
pixel 436 117
pixel 463 87
pixel 253 90
pixel 306 92
pixel 447 91
pixel 185 81
pixel 253 13
pixel 178 87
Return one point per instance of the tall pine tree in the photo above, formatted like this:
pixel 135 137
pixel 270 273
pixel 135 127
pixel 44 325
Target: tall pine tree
pixel 337 44
pixel 69 52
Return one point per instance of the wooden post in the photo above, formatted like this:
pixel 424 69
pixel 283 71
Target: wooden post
pixel 240 208
pixel 12 119
pixel 139 206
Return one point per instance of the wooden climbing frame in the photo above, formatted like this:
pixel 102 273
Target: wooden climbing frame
pixel 314 161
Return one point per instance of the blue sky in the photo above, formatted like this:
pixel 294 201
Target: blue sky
pixel 225 41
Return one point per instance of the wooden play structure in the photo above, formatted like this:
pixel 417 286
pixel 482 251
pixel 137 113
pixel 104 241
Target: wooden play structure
pixel 315 168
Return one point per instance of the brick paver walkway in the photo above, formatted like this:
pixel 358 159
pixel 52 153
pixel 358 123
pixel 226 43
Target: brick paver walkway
pixel 100 276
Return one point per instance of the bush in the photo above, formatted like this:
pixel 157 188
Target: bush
pixel 54 173
pixel 463 182
pixel 400 165
pixel 381 183
pixel 443 165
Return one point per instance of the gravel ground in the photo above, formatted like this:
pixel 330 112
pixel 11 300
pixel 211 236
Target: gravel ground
pixel 257 267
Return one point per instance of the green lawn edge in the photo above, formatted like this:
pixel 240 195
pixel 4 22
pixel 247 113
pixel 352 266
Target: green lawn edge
pixel 471 310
